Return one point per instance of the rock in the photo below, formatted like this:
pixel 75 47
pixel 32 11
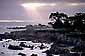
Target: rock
pixel 22 54
pixel 2 53
pixel 49 54
pixel 77 49
pixel 3 45
pixel 70 54
pixel 22 44
pixel 31 47
pixel 15 47
pixel 42 46
pixel 83 54
pixel 34 55
pixel 0 39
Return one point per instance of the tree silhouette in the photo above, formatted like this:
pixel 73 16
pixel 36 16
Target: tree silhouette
pixel 78 21
pixel 61 20
pixel 57 19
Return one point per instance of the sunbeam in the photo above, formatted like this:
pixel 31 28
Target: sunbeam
pixel 33 8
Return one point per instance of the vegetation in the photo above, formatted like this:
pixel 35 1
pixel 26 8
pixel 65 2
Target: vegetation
pixel 62 20
pixel 74 37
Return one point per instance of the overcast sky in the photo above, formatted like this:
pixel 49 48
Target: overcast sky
pixel 13 11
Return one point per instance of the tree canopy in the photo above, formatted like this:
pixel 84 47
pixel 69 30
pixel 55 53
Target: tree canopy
pixel 61 20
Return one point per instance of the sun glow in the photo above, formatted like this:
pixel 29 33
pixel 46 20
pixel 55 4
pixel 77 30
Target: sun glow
pixel 32 10
pixel 36 5
pixel 76 4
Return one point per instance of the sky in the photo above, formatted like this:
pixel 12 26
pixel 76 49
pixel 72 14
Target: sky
pixel 37 11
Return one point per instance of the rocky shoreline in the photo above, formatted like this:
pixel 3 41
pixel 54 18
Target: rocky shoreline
pixel 64 42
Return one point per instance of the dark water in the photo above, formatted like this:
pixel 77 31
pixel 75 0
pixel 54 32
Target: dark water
pixel 3 26
pixel 15 23
pixel 3 30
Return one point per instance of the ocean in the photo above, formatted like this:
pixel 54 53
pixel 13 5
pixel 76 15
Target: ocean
pixel 4 25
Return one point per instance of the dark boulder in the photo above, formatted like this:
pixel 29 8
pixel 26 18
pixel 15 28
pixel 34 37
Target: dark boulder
pixel 22 44
pixel 42 46
pixel 22 54
pixel 0 39
pixel 77 49
pixel 49 54
pixel 2 53
pixel 15 47
pixel 70 54
pixel 34 55
pixel 83 54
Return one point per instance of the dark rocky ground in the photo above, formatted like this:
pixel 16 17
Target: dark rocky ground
pixel 62 41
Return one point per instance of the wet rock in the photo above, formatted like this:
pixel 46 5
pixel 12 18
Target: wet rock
pixel 3 45
pixel 70 54
pixel 42 46
pixel 49 55
pixel 22 44
pixel 83 54
pixel 34 55
pixel 77 49
pixel 2 53
pixel 22 54
pixel 31 47
pixel 15 47
pixel 0 39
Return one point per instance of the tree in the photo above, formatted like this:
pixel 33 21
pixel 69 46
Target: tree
pixel 78 21
pixel 61 20
pixel 57 19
